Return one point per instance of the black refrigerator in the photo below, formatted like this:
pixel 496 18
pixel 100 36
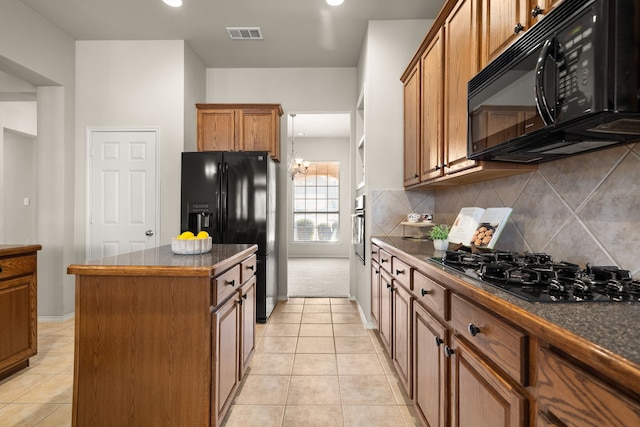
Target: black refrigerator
pixel 232 196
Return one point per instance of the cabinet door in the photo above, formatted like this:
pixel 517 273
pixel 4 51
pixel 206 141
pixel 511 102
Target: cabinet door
pixel 226 358
pixel 385 310
pixel 375 293
pixel 461 56
pixel 412 127
pixel 430 368
pixel 502 22
pixel 216 130
pixel 259 131
pixel 17 311
pixel 432 144
pixel 402 336
pixel 480 397
pixel 577 398
pixel 248 331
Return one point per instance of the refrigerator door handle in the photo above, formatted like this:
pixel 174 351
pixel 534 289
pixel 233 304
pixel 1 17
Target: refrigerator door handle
pixel 224 195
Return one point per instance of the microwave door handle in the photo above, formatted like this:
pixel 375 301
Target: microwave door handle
pixel 541 98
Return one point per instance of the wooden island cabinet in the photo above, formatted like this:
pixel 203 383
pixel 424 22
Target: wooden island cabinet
pixel 18 307
pixel 471 355
pixel 162 339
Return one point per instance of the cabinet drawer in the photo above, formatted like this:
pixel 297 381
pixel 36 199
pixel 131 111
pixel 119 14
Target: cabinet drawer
pixel 17 266
pixel 401 272
pixel 248 268
pixel 501 343
pixel 225 284
pixel 385 260
pixel 375 253
pixel 431 295
pixel 577 398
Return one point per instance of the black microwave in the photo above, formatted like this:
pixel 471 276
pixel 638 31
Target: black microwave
pixel 569 85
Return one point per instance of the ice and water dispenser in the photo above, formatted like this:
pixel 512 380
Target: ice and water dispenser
pixel 200 217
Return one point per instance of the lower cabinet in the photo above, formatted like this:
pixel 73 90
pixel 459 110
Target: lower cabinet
pixel 385 326
pixel 464 364
pixel 375 293
pixel 234 338
pixel 226 321
pixel 430 368
pixel 18 307
pixel 567 395
pixel 402 333
pixel 248 316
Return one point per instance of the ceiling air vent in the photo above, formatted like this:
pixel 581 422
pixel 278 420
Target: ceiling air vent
pixel 245 33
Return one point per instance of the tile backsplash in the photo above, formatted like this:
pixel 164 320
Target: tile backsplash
pixel 579 209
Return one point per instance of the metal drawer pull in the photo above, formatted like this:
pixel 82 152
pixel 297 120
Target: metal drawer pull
pixel 383 260
pixel 448 351
pixel 439 341
pixel 399 272
pixel 424 292
pixel 473 330
pixel 232 283
pixel 250 267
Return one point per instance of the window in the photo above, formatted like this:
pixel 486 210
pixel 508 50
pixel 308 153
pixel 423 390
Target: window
pixel 316 203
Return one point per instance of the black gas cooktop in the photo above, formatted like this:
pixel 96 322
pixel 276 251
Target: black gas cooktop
pixel 536 277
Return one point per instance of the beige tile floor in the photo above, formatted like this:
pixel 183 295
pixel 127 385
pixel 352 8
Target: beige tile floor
pixel 315 365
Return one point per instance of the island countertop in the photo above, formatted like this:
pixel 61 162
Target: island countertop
pixel 163 262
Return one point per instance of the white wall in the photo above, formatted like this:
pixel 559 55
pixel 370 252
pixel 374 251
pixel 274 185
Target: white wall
pixel 387 50
pixel 38 52
pixel 137 84
pixel 18 175
pixel 326 150
pixel 299 90
pixel 195 92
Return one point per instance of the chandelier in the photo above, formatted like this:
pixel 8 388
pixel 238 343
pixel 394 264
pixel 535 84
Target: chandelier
pixel 297 165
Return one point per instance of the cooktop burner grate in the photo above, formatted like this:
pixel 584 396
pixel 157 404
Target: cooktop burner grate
pixel 536 277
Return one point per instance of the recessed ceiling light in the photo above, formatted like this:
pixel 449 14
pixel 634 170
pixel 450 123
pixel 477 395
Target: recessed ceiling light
pixel 173 3
pixel 334 2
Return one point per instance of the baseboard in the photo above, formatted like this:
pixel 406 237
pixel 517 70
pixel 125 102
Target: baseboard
pixel 56 319
pixel 365 322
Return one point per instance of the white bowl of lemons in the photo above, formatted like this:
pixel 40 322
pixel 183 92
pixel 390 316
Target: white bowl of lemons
pixel 188 243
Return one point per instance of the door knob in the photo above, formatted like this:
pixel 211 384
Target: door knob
pixel 148 233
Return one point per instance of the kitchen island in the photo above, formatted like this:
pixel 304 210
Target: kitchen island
pixel 162 339
pixel 495 359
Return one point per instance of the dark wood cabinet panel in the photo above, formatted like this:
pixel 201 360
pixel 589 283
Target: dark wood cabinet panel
pixel 18 307
pixel 577 398
pixel 402 336
pixel 412 127
pixel 480 397
pixel 431 369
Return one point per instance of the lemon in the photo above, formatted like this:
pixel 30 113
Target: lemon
pixel 202 235
pixel 187 235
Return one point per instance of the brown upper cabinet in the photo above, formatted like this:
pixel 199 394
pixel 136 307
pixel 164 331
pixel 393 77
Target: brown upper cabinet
pixel 435 90
pixel 505 20
pixel 239 127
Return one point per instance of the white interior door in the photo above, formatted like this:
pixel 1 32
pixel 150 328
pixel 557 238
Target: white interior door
pixel 123 201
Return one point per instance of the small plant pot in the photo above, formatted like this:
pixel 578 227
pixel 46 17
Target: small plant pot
pixel 440 245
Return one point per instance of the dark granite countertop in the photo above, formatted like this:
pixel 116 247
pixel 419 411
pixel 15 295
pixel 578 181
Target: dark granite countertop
pixel 613 326
pixel 161 261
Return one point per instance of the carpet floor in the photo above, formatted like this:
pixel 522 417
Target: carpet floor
pixel 318 277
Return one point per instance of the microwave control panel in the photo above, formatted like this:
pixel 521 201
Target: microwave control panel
pixel 575 67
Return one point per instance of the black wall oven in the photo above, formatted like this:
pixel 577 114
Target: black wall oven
pixel 357 228
pixel 570 84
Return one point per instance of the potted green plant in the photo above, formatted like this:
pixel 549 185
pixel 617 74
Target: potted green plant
pixel 439 234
